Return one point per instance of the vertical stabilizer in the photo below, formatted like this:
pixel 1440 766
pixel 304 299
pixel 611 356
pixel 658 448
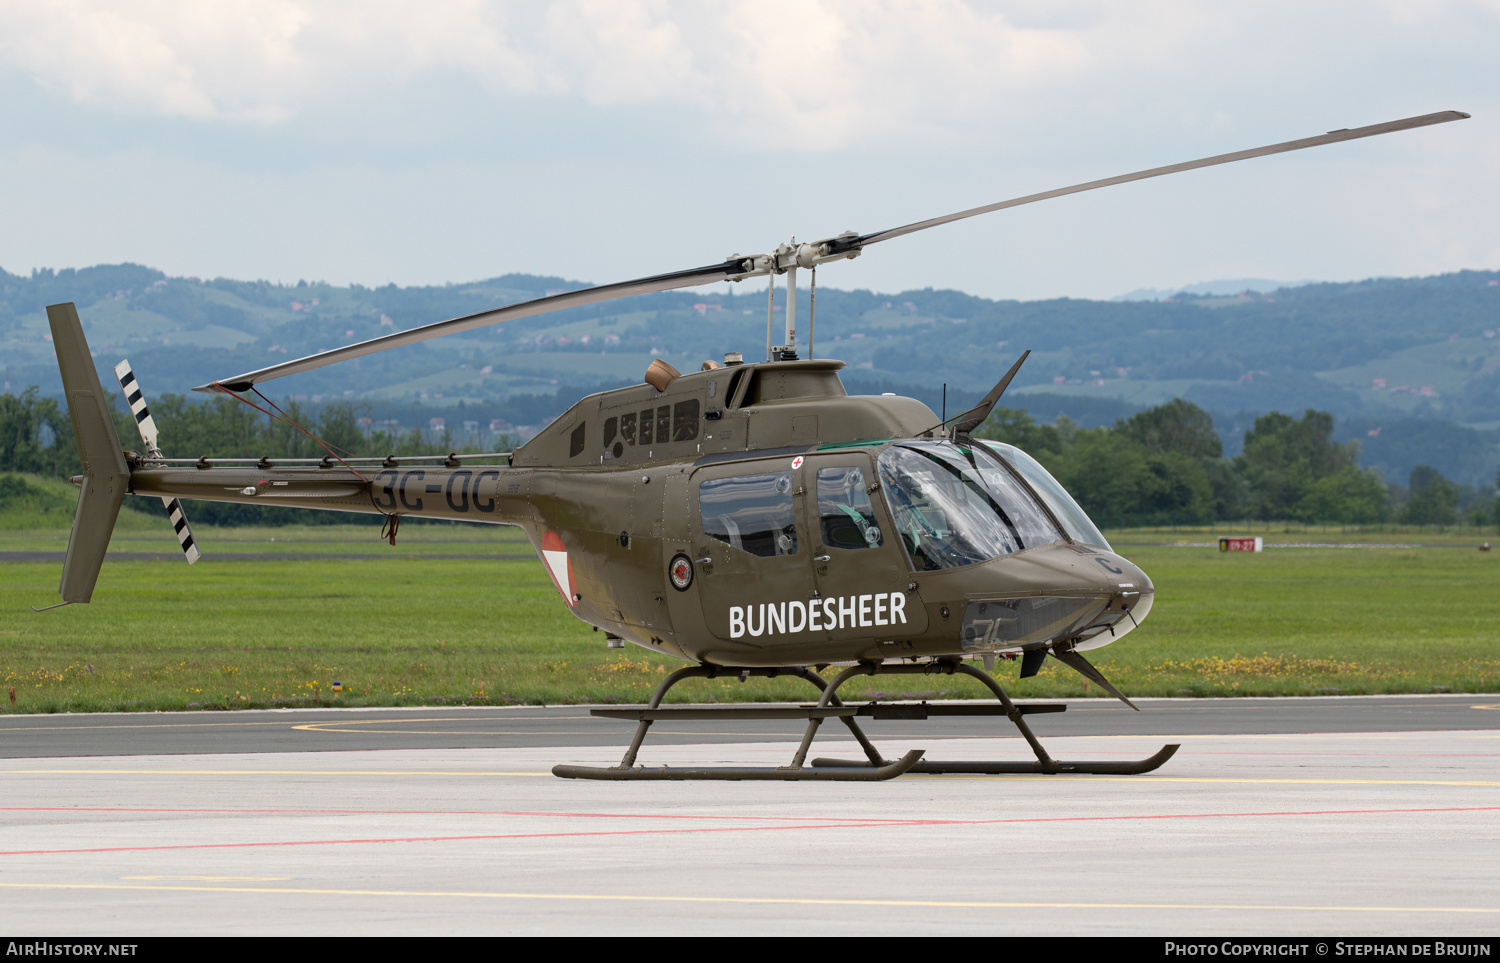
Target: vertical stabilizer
pixel 106 476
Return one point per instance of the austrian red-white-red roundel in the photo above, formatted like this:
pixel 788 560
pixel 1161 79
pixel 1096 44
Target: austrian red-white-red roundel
pixel 680 571
pixel 796 463
pixel 560 567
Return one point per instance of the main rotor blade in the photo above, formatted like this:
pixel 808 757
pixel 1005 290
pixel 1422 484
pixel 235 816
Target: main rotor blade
pixel 785 257
pixel 1332 137
pixel 555 302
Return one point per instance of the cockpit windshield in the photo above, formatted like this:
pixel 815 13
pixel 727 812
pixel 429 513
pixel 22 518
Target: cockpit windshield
pixel 956 506
pixel 1074 519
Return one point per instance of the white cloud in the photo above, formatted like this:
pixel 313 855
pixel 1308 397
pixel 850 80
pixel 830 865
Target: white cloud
pixel 605 139
pixel 809 75
pixel 783 73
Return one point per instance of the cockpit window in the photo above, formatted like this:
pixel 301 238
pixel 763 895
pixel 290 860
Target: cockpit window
pixel 1074 519
pixel 956 506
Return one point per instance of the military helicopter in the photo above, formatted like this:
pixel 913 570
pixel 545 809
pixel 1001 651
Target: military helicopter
pixel 751 518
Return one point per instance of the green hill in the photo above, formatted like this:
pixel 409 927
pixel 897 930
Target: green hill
pixel 1373 352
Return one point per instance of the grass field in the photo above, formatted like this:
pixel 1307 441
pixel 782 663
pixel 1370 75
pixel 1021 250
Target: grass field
pixel 422 629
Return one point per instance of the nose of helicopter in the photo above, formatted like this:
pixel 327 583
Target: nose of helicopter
pixel 1133 593
pixel 1057 593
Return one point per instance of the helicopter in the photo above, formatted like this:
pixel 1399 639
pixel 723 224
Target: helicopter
pixel 749 518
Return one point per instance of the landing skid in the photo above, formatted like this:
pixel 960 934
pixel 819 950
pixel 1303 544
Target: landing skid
pixel 876 767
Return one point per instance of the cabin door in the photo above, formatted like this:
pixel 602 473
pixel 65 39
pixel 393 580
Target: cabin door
pixel 751 551
pixel 860 574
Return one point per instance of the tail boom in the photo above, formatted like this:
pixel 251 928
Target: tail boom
pixel 479 494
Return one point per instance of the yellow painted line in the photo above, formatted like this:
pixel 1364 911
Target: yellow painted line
pixel 1331 782
pixel 213 878
pixel 318 724
pixel 258 772
pixel 755 900
pixel 1497 706
pixel 318 727
pixel 151 725
pixel 283 722
pixel 333 727
pixel 1078 777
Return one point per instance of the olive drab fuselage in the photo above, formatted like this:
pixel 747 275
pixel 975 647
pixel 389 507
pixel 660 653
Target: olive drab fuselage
pixel 623 499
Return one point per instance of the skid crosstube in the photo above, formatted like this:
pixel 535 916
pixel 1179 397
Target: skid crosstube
pixel 876 768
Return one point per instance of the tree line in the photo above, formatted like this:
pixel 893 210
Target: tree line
pixel 36 437
pixel 1165 466
pixel 1162 466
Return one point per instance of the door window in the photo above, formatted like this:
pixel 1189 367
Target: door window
pixel 846 519
pixel 753 513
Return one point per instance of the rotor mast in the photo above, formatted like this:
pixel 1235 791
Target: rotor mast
pixel 786 259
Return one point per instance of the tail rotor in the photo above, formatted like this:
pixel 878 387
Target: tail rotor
pixel 146 425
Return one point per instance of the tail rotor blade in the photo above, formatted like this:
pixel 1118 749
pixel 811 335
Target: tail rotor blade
pixel 184 533
pixel 146 425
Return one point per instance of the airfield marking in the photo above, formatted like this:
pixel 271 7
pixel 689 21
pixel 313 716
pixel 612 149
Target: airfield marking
pixel 261 772
pixel 787 823
pixel 213 878
pixel 812 823
pixel 283 722
pixel 1092 777
pixel 1070 777
pixel 752 900
pixel 333 727
pixel 1076 705
pixel 448 812
pixel 689 817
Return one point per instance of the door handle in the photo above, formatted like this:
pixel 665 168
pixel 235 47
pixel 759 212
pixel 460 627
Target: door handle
pixel 821 558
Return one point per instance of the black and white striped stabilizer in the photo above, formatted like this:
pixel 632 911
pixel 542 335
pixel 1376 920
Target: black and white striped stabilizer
pixel 137 402
pixel 147 427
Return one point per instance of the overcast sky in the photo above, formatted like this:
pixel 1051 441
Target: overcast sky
pixel 442 141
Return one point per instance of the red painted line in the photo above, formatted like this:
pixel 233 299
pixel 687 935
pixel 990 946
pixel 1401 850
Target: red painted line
pixel 440 812
pixel 1287 812
pixel 813 824
pixel 1354 755
pixel 431 839
pixel 1024 753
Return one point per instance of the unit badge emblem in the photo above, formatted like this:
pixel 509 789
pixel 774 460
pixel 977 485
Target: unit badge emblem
pixel 680 571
